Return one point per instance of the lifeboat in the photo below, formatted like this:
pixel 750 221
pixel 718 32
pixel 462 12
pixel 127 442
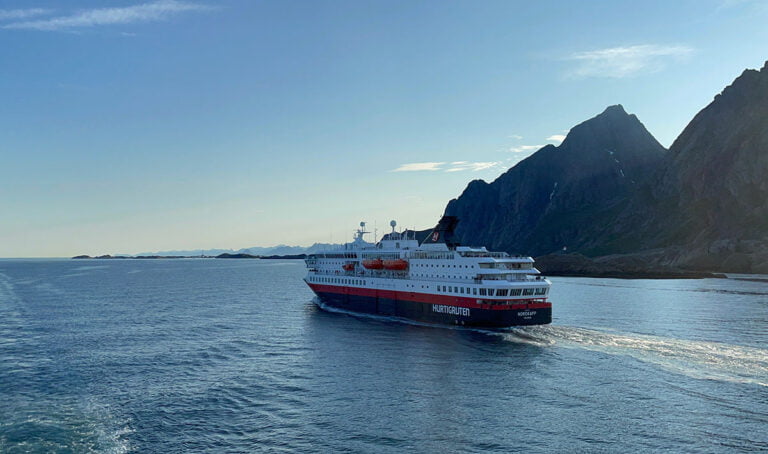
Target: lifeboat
pixel 348 266
pixel 374 264
pixel 396 265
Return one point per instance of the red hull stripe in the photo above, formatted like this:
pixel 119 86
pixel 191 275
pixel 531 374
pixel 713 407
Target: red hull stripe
pixel 427 298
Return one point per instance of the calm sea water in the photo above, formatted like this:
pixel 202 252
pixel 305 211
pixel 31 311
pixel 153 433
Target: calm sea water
pixel 232 356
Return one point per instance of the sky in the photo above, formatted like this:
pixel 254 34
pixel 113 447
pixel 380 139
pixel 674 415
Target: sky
pixel 133 126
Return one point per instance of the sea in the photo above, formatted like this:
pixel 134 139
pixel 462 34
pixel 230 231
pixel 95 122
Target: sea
pixel 230 356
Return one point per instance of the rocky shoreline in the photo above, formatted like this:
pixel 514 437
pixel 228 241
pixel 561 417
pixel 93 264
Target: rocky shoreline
pixel 620 267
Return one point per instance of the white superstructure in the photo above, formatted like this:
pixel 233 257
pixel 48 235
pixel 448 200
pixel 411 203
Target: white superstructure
pixel 436 267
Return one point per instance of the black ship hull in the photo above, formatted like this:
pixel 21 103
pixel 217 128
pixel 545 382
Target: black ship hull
pixel 433 309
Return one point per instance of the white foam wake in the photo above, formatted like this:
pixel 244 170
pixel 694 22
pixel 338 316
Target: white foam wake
pixel 697 359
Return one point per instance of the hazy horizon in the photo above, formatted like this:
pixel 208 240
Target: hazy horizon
pixel 176 125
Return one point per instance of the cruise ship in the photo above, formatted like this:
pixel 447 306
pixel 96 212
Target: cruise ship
pixel 438 281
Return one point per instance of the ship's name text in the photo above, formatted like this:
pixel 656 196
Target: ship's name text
pixel 453 310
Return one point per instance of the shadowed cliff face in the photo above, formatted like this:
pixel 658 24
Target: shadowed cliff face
pixel 561 196
pixel 718 170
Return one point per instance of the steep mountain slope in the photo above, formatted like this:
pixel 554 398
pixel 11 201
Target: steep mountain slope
pixel 561 196
pixel 718 172
pixel 712 194
pixel 610 188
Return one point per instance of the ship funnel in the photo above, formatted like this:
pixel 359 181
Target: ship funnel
pixel 444 232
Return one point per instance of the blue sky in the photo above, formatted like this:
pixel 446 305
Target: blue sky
pixel 132 126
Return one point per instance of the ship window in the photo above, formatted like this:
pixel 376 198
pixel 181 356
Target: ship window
pixel 502 292
pixel 528 291
pixel 467 290
pixel 450 289
pixel 474 291
pixel 490 292
pixel 483 292
pixel 462 289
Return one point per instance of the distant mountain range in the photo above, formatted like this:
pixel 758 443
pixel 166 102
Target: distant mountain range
pixel 255 250
pixel 611 190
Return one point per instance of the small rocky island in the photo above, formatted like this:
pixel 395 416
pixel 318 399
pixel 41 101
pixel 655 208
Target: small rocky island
pixel 220 256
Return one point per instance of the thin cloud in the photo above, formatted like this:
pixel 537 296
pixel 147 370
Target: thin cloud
pixel 145 12
pixel 516 137
pixel 556 138
pixel 618 62
pixel 455 166
pixel 419 166
pixel 525 148
pixel 459 166
pixel 16 14
pixel 726 4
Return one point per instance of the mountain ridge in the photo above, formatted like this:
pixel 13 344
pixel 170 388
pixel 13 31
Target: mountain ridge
pixel 702 204
pixel 529 207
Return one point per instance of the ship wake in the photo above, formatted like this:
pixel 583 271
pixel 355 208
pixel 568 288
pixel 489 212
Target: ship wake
pixel 696 359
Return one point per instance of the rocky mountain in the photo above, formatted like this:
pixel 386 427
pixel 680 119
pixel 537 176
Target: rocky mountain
pixel 283 249
pixel 561 196
pixel 712 193
pixel 611 190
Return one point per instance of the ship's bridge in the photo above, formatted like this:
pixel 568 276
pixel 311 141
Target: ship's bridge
pixel 397 244
pixel 398 240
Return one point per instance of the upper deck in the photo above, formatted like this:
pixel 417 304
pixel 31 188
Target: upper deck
pixel 399 256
